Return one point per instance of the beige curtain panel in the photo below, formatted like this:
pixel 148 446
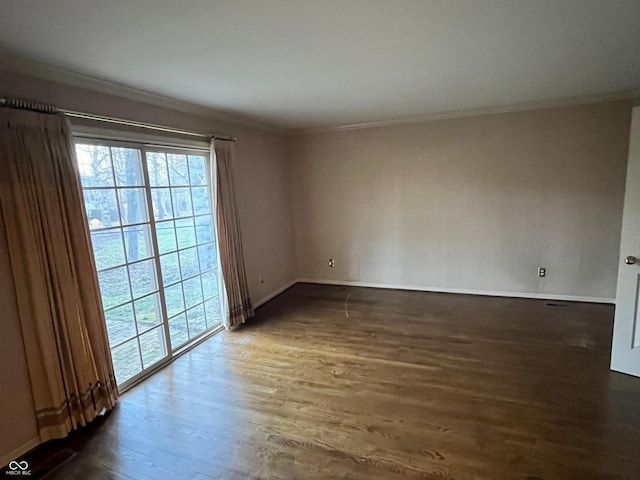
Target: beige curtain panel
pixel 56 285
pixel 229 237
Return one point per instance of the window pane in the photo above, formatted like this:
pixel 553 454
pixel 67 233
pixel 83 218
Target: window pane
pixel 189 262
pixel 152 346
pixel 166 233
pixel 207 257
pixel 214 314
pixel 200 200
pixel 143 278
pixel 157 166
pixel 196 320
pixel 120 324
pixel 197 170
pixel 162 206
pixel 126 360
pixel 116 199
pixel 182 202
pixel 126 164
pixel 138 242
pixel 178 172
pixel 94 163
pixel 170 268
pixel 210 284
pixel 185 233
pixel 175 301
pixel 204 229
pixel 101 207
pixel 114 287
pixel 178 330
pixel 192 292
pixel 133 205
pixel 148 312
pixel 107 248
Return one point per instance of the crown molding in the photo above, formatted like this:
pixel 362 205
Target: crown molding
pixel 633 95
pixel 10 62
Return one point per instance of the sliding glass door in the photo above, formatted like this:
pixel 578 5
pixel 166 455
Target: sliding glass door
pixel 150 215
pixel 184 229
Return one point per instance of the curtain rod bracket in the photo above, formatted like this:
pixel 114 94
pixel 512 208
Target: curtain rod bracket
pixel 24 104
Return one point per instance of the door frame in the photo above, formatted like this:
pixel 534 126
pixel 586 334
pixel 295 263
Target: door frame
pixel 112 139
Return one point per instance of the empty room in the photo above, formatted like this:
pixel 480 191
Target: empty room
pixel 314 239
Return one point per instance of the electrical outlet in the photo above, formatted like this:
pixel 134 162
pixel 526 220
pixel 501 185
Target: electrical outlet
pixel 332 262
pixel 542 272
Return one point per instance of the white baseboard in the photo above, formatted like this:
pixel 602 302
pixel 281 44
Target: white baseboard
pixel 18 452
pixel 465 291
pixel 276 292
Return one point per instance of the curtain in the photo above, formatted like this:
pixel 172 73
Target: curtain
pixel 239 306
pixel 57 292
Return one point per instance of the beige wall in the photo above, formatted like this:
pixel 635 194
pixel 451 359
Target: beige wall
pixel 263 203
pixel 469 204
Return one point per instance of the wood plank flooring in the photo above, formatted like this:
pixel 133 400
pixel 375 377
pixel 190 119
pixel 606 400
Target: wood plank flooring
pixel 355 383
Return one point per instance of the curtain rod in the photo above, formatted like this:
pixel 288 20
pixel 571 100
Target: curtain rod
pixel 44 108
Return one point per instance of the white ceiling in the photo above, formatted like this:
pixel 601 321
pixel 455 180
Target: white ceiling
pixel 315 63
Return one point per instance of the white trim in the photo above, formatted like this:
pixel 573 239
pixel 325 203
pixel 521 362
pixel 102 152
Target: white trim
pixel 168 140
pixel 11 62
pixel 464 291
pixel 632 96
pixel 275 293
pixel 19 451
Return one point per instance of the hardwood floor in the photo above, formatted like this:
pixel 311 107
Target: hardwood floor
pixel 355 383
